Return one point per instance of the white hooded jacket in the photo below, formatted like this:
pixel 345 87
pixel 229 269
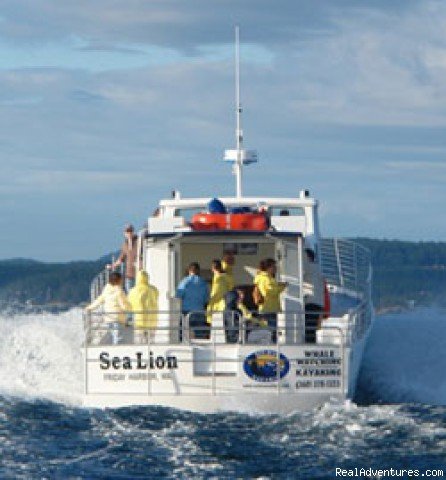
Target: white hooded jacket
pixel 114 303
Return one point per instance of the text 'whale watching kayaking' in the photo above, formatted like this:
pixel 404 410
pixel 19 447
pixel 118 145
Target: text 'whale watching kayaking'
pixel 270 317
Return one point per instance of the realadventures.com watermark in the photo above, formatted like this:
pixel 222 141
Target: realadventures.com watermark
pixel 387 472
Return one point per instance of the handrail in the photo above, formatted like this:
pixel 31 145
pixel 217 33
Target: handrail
pixel 98 283
pixel 362 311
pixel 346 265
pixel 237 331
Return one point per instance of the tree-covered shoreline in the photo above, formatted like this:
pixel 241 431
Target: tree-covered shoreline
pixel 29 282
pixel 405 274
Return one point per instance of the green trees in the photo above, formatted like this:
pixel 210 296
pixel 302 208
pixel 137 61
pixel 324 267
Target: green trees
pixel 403 272
pixel 407 271
pixel 395 253
pixel 24 281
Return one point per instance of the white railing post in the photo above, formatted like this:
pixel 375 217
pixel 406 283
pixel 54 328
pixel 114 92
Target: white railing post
pixel 338 260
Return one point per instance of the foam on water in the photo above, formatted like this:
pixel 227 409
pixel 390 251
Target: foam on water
pixel 156 442
pixel 404 360
pixel 40 356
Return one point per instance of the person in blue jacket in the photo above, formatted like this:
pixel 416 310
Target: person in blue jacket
pixel 193 292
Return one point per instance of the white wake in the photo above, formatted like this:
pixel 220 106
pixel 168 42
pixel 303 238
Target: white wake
pixel 40 356
pixel 405 358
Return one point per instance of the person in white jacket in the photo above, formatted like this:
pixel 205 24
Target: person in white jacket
pixel 114 305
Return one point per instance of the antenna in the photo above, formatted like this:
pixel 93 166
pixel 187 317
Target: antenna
pixel 239 157
pixel 238 106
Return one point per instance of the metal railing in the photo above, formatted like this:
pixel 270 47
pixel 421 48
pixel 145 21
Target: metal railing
pixel 346 267
pixel 98 283
pixel 360 319
pixel 174 327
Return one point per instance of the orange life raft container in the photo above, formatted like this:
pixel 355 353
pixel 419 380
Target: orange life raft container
pixel 229 221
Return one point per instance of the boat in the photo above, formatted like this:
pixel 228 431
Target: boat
pixel 237 366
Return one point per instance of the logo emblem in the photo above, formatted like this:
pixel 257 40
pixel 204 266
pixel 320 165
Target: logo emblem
pixel 262 366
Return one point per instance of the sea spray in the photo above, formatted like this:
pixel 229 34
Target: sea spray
pixel 40 355
pixel 404 360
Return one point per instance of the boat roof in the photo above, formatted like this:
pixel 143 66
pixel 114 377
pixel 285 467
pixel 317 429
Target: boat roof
pixel 183 203
pixel 224 233
pixel 173 215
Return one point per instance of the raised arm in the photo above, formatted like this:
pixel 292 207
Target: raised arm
pixel 122 257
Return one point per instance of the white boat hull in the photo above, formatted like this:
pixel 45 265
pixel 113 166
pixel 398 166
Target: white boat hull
pixel 242 403
pixel 200 381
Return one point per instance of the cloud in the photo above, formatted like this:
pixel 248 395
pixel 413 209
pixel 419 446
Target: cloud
pixel 338 97
pixel 376 69
pixel 177 24
pixel 109 48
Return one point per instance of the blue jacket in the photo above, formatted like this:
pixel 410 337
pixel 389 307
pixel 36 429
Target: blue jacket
pixel 194 293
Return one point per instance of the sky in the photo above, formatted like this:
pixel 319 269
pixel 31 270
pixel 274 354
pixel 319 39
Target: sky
pixel 108 105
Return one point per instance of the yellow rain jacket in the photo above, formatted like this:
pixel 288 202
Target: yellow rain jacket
pixel 220 287
pixel 247 315
pixel 114 303
pixel 270 290
pixel 258 276
pixel 245 312
pixel 143 297
pixel 228 269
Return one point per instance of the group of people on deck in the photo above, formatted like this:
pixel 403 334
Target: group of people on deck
pixel 141 298
pixel 141 301
pixel 196 297
pixel 133 317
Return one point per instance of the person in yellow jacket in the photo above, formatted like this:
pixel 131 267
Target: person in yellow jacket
pixel 143 298
pixel 219 289
pixel 114 305
pixel 256 295
pixel 227 263
pixel 270 290
pixel 269 287
pixel 261 269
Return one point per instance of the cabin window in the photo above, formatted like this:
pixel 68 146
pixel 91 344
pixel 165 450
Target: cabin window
pixel 188 213
pixel 287 211
pixel 241 248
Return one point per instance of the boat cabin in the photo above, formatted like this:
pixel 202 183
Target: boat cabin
pixel 172 241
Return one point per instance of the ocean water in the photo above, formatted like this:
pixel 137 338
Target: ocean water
pixel 399 420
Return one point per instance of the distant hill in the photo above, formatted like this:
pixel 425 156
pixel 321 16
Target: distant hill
pixel 23 281
pixel 404 272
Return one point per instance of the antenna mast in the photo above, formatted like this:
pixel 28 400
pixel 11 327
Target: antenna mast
pixel 238 108
pixel 239 157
